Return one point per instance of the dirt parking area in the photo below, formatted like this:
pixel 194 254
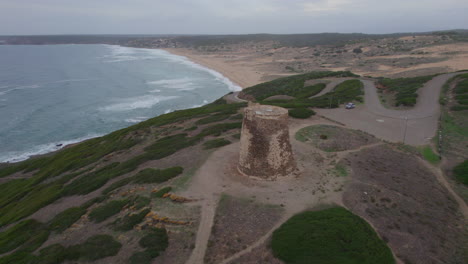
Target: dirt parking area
pixel 333 138
pixel 402 199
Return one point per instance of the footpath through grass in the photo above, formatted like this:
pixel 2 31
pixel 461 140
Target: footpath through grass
pixel 332 235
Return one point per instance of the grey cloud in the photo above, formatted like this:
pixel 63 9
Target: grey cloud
pixel 228 16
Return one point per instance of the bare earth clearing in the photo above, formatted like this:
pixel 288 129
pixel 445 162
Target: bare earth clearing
pixel 410 189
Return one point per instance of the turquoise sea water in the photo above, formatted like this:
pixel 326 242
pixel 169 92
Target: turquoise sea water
pixel 62 94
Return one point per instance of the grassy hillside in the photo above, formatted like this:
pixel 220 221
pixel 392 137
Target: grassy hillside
pixel 102 191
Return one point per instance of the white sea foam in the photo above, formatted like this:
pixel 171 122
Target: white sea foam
pixel 138 102
pixel 137 119
pixel 186 61
pixel 74 80
pixel 17 156
pixel 168 111
pixel 120 53
pixel 155 91
pixel 183 84
pixel 34 86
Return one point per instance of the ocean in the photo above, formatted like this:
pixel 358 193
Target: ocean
pixel 54 95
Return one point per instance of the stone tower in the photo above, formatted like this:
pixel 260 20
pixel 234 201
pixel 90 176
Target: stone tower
pixel 265 150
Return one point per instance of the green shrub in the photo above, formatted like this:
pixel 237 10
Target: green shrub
pixel 35 241
pixel 129 221
pixel 429 155
pixel 161 192
pixel 459 107
pixel 103 212
pixel 52 254
pixel 216 130
pixel 216 143
pixel 168 146
pixel 98 199
pixel 140 201
pixel 37 197
pixel 309 91
pixel 95 247
pixel 405 88
pixel 154 243
pixel 156 240
pixel 333 235
pixel 19 235
pixel 301 113
pixel 237 117
pixel 143 257
pixel 65 219
pixel 91 181
pixel 150 175
pixel 117 185
pixel 461 172
pixel 18 257
pixel 291 85
pixel 212 118
pixel 462 87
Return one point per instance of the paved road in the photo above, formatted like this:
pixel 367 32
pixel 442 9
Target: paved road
pixel 415 126
pixel 233 98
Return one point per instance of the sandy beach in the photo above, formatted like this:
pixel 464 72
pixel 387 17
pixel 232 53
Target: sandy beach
pixel 239 73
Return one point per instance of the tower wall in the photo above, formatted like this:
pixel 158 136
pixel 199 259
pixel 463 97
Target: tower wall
pixel 265 150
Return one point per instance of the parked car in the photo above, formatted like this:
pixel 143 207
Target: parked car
pixel 350 106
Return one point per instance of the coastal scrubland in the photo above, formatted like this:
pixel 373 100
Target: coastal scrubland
pixel 143 194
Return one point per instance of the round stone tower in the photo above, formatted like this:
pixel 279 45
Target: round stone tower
pixel 265 150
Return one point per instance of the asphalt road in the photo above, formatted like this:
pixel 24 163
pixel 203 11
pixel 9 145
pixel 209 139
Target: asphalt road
pixel 416 126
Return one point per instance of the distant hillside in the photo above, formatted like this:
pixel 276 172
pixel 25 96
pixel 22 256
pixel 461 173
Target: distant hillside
pixel 165 41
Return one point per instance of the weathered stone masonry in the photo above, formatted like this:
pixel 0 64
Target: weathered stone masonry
pixel 265 150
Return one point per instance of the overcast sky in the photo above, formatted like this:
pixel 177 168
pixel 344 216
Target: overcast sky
pixel 18 17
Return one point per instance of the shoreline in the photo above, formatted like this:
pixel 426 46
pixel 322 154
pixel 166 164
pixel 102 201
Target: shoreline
pixel 228 72
pixel 241 75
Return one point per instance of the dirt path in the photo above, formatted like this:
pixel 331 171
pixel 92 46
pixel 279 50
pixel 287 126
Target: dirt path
pixel 204 230
pixel 443 180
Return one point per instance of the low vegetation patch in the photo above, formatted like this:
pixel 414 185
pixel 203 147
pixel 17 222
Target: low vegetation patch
pixel 65 219
pixel 157 176
pixel 20 235
pixel 461 172
pixel 301 112
pixel 162 192
pixel 103 212
pixel 334 138
pixel 94 248
pixel 461 94
pixel 429 155
pixel 292 85
pixel 333 235
pixel 347 91
pixel 405 88
pixel 216 143
pixel 155 242
pixel 129 221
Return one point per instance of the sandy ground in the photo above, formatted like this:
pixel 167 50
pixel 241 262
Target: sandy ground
pixel 240 73
pixel 247 65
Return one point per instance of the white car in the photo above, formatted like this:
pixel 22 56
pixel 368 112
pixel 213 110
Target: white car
pixel 350 106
